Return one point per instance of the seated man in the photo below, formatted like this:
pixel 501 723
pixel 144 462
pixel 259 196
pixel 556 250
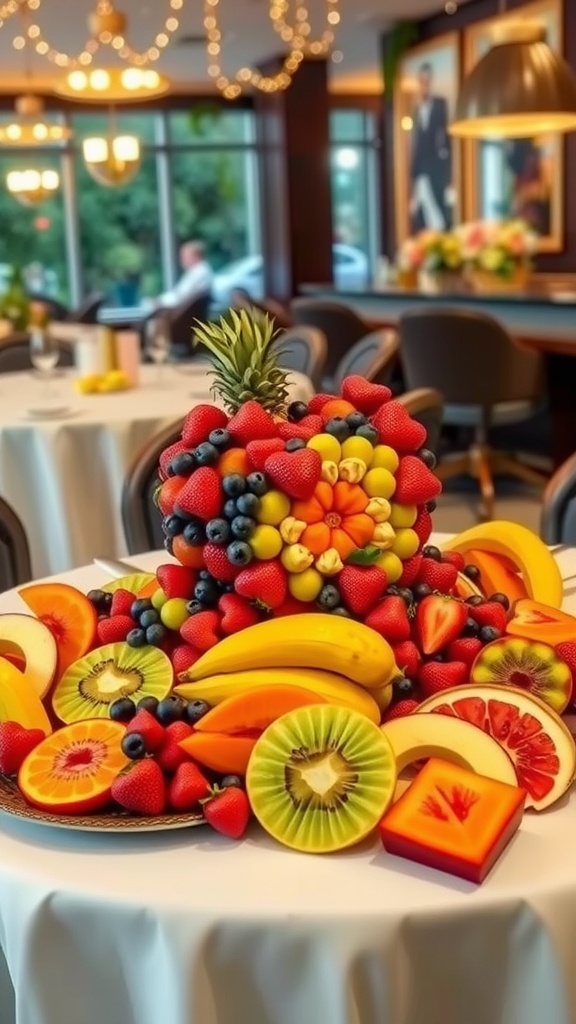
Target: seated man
pixel 196 279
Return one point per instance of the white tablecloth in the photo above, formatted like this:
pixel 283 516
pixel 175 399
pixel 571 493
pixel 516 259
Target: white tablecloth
pixel 189 928
pixel 64 476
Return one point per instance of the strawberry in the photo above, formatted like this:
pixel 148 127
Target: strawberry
pixel 438 575
pixel 200 421
pixel 397 429
pixel 115 629
pixel 250 422
pixel 183 657
pixel 363 395
pixel 401 709
pixel 410 570
pixel 295 473
pixel 201 495
pixel 228 811
pixel 567 651
pixel 423 525
pixel 172 755
pixel 489 613
pixel 304 429
pixel 217 564
pixel 16 743
pixel 361 586
pixel 149 729
pixel 187 788
pixel 465 649
pixel 202 630
pixel 167 494
pixel 177 580
pixel 455 558
pixel 439 620
pixel 122 601
pixel 436 676
pixel 141 788
pixel 167 455
pixel 258 451
pixel 317 402
pixel 263 582
pixel 390 618
pixel 408 658
pixel 415 483
pixel 290 607
pixel 237 614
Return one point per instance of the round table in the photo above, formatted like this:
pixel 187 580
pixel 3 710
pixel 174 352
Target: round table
pixel 64 476
pixel 190 928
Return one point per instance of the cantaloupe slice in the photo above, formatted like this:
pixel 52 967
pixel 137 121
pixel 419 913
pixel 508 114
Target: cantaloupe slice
pixel 255 709
pixel 220 752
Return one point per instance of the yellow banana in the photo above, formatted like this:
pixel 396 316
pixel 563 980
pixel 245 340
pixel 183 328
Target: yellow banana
pixel 539 570
pixel 19 701
pixel 327 642
pixel 333 688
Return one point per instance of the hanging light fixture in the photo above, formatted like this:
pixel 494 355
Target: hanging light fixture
pixel 30 127
pixel 32 187
pixel 521 88
pixel 112 85
pixel 112 160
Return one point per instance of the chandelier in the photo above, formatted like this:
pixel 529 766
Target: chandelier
pixel 112 160
pixel 31 187
pixel 112 85
pixel 30 127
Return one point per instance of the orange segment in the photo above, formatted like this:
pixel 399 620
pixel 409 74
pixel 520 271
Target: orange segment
pixel 349 499
pixel 69 615
pixel 336 407
pixel 234 460
pixel 360 528
pixel 343 544
pixel 316 538
pixel 313 510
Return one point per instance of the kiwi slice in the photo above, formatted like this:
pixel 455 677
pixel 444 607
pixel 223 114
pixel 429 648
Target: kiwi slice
pixel 135 583
pixel 320 778
pixel 91 684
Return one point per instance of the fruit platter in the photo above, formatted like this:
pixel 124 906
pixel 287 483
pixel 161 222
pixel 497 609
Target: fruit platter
pixel 307 658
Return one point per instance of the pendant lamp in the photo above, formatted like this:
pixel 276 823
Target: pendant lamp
pixel 521 88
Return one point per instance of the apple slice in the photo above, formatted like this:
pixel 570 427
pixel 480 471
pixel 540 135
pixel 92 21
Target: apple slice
pixel 26 639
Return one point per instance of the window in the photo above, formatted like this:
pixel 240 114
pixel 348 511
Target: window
pixel 354 197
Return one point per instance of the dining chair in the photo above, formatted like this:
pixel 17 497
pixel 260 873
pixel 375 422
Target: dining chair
pixel 87 311
pixel 141 519
pixel 179 322
pixel 341 325
pixel 373 357
pixel 15 356
pixel 487 381
pixel 303 349
pixel 558 514
pixel 15 563
pixel 427 406
pixel 241 299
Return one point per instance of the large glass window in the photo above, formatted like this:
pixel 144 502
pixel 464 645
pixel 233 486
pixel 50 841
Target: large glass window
pixel 354 197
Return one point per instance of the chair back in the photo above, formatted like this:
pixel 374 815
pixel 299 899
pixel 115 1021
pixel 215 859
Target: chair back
pixel 15 356
pixel 558 515
pixel 140 516
pixel 15 563
pixel 373 357
pixel 341 325
pixel 467 356
pixel 426 405
pixel 241 299
pixel 182 321
pixel 87 311
pixel 303 349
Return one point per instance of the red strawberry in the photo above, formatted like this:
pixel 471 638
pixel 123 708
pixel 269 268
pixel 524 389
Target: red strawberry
pixel 200 421
pixel 567 651
pixel 172 755
pixel 202 494
pixel 228 812
pixel 290 607
pixel 187 788
pixel 489 613
pixel 415 483
pixel 361 586
pixel 363 395
pixel 455 558
pixel 439 620
pixel 167 455
pixel 401 709
pixel 217 564
pixel 390 618
pixel 438 575
pixel 295 473
pixel 263 582
pixel 16 743
pixel 167 494
pixel 464 649
pixel 183 657
pixel 115 629
pixel 202 630
pixel 149 729
pixel 317 402
pixel 410 570
pixel 408 658
pixel 423 525
pixel 436 676
pixel 250 422
pixel 177 580
pixel 397 429
pixel 141 788
pixel 122 601
pixel 258 451
pixel 306 428
pixel 237 614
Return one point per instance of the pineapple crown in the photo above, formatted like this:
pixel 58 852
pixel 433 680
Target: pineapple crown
pixel 244 360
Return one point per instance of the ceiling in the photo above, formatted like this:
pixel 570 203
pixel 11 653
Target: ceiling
pixel 247 38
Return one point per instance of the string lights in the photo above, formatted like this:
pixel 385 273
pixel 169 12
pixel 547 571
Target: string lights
pixel 278 15
pixel 10 8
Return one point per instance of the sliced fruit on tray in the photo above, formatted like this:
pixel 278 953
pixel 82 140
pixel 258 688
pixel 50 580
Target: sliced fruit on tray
pixel 228 755
pixel 497 575
pixel 19 700
pixel 533 736
pixel 143 584
pixel 536 621
pixel 92 684
pixel 255 709
pixel 320 778
pixel 72 771
pixel 69 615
pixel 465 588
pixel 454 821
pixel 526 665
pixel 31 644
pixel 415 737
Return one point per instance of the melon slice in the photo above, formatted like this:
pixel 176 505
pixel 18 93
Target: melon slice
pixel 535 738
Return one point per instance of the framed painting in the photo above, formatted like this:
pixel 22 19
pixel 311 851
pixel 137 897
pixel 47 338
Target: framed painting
pixel 426 159
pixel 518 177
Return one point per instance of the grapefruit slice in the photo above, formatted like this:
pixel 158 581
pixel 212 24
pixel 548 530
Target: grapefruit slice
pixel 534 737
pixel 69 615
pixel 72 771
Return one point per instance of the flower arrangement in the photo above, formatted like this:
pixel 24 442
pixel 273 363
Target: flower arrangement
pixel 432 251
pixel 498 247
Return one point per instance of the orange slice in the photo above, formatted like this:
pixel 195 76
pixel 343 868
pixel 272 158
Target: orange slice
pixel 69 615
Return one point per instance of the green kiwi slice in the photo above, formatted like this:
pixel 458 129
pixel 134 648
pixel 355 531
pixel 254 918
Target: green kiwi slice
pixel 135 582
pixel 320 778
pixel 91 684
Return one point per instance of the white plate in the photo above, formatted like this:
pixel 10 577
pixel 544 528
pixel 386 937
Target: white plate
pixel 49 412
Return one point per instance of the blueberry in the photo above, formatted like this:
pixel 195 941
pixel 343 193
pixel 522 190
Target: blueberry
pixel 393 590
pixel 122 710
pixel 297 411
pixel 329 597
pixel 248 504
pixel 136 638
pixel 195 710
pixel 231 782
pixel 193 607
pixel 472 572
pixel 475 600
pixel 294 444
pixel 168 545
pixel 97 598
pixel 431 506
pixel 242 527
pixel 219 438
pixel 431 551
pixel 207 592
pixel 133 746
pixel 148 704
pixel 194 532
pixel 339 428
pixel 428 458
pixel 500 599
pixel 107 601
pixel 343 612
pixel 230 508
pixel 437 657
pixel 234 485
pixel 173 525
pixel 169 710
pixel 257 484
pixel 355 420
pixel 206 454
pixel 406 594
pixel 239 553
pixel 149 618
pixel 182 464
pixel 369 432
pixel 155 634
pixel 421 590
pixel 402 688
pixel 471 628
pixel 218 531
pixel 489 633
pixel 140 605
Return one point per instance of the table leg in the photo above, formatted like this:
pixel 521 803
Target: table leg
pixel 561 378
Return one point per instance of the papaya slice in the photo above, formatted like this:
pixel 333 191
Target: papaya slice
pixel 220 752
pixel 255 709
pixel 68 614
pixel 535 621
pixel 496 575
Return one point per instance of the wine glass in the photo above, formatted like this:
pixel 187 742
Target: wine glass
pixel 44 355
pixel 158 344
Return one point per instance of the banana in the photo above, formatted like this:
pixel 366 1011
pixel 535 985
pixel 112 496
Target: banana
pixel 327 642
pixel 19 701
pixel 539 570
pixel 333 688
